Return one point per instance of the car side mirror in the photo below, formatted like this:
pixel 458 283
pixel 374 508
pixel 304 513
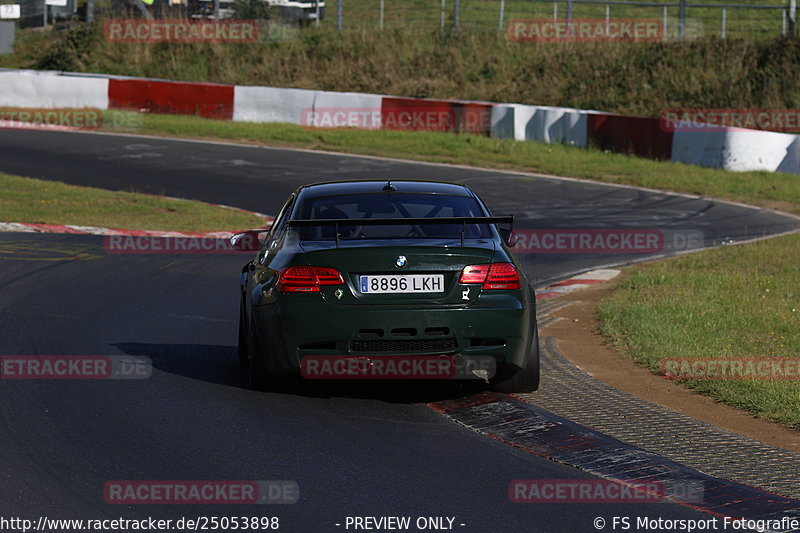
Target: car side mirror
pixel 247 241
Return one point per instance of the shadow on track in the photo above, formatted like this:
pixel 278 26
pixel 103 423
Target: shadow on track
pixel 219 364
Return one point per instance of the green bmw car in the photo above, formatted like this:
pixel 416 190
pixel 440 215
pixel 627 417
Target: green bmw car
pixel 387 279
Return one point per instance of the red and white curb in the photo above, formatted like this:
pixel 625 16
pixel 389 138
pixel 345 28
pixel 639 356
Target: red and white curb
pixel 20 227
pixel 582 281
pixel 24 227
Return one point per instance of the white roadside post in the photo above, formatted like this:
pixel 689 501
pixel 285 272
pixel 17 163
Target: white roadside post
pixel 8 13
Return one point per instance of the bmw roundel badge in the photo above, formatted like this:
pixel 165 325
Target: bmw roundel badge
pixel 400 261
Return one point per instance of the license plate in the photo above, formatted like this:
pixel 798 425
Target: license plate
pixel 404 283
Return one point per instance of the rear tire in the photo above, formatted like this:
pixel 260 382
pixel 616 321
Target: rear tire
pixel 520 379
pixel 258 374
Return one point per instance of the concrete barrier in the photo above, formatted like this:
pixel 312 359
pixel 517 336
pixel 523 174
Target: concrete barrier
pixel 49 90
pixel 344 110
pixel 738 150
pixel 539 123
pixel 207 100
pixel 270 104
pixel 436 115
pixel 640 136
pixel 322 109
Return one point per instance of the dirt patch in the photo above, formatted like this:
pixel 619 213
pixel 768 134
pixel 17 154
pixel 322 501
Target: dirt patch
pixel 778 205
pixel 581 343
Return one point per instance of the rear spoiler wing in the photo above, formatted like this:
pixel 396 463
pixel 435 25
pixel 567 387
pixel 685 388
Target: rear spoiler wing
pixel 401 222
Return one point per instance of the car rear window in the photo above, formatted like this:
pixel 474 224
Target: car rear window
pixel 391 205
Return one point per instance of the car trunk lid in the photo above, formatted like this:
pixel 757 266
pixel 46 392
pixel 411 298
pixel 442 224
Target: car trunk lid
pixel 407 272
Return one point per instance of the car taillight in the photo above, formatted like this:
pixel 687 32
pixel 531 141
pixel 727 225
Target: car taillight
pixel 502 276
pixel 474 274
pixel 307 278
pixel 492 276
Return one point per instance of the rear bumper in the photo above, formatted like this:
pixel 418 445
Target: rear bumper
pixel 498 324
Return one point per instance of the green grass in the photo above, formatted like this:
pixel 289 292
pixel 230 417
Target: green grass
pixel 768 189
pixel 49 202
pixel 736 301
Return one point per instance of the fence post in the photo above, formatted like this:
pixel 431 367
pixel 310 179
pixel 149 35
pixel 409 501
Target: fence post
pixel 783 23
pixel 792 17
pixel 89 11
pixel 555 11
pixel 664 29
pixel 569 18
pixel 216 9
pixel 724 21
pixel 608 18
pixel 456 9
pixel 339 15
pixel 381 24
pixel 502 12
pixel 682 20
pixel 444 13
